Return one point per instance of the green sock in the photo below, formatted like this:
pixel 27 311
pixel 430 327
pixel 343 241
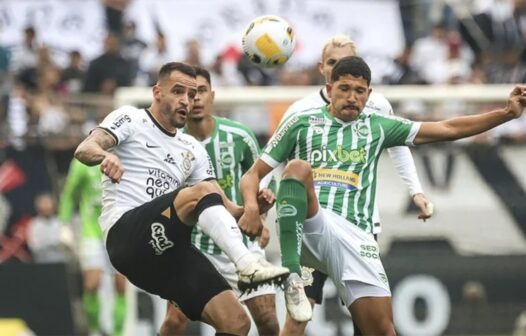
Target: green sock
pixel 292 211
pixel 92 307
pixel 119 314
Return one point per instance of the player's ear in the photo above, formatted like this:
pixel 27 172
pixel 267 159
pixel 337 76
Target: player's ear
pixel 328 87
pixel 156 90
pixel 213 95
pixel 320 68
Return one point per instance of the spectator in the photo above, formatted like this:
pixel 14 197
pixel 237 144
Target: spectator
pixel 25 55
pixel 108 71
pixel 73 75
pixel 132 47
pixel 193 53
pixel 153 58
pixel 44 232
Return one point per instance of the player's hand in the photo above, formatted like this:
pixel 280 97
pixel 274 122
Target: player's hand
pixel 66 237
pixel 517 101
pixel 266 200
pixel 111 166
pixel 265 236
pixel 426 207
pixel 250 222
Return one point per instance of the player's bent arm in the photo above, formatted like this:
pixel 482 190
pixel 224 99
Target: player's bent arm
pixel 93 149
pixel 460 127
pixel 249 222
pixel 463 127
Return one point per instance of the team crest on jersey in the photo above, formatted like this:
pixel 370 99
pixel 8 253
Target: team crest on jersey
pixel 188 157
pixel 227 161
pixel 316 121
pixel 361 129
pixel 159 241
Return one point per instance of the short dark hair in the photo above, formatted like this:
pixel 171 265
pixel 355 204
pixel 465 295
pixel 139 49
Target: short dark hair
pixel 203 73
pixel 351 65
pixel 170 67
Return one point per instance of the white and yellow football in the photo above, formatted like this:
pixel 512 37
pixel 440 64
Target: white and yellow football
pixel 268 41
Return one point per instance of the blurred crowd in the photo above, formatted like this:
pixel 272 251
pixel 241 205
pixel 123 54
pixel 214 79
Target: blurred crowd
pixel 447 42
pixel 52 102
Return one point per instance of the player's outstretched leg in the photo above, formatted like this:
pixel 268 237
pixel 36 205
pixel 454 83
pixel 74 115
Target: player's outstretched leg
pixel 203 202
pixel 296 200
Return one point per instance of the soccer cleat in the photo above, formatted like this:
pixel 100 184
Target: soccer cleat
pixel 260 272
pixel 296 300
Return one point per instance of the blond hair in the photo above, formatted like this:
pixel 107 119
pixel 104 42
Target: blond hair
pixel 339 41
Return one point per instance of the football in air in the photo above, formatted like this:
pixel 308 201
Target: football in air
pixel 268 41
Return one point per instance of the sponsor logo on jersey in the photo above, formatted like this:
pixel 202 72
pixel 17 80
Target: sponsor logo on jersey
pixel 159 182
pixel 226 182
pixel 316 121
pixel 169 159
pixel 120 121
pixel 338 154
pixel 159 241
pixel 275 140
pixel 223 144
pixel 151 146
pixel 324 177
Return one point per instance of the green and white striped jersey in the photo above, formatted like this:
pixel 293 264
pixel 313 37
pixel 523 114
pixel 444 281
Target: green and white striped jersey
pixel 343 156
pixel 232 148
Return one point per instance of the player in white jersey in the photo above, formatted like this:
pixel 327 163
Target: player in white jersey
pixel 326 196
pixel 232 148
pixel 158 182
pixel 337 47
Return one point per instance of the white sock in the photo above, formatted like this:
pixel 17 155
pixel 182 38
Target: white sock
pixel 219 224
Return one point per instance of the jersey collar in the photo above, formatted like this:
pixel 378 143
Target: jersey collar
pixel 156 123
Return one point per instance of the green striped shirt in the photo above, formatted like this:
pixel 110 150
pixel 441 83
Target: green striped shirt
pixel 232 148
pixel 343 156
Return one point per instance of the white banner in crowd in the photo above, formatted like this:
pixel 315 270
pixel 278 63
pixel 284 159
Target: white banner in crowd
pixel 79 24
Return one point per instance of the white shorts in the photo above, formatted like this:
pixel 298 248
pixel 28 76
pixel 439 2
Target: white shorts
pixel 93 255
pixel 347 254
pixel 228 270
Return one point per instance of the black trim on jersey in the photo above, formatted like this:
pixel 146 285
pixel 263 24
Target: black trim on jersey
pixel 159 125
pixel 325 99
pixel 107 130
pixel 210 179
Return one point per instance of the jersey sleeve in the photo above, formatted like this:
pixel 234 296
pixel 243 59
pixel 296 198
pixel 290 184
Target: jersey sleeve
pixel 251 151
pixel 397 131
pixel 118 123
pixel 203 168
pixel 74 180
pixel 282 142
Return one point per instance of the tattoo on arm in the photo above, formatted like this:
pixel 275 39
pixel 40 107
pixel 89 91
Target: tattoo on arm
pixel 94 148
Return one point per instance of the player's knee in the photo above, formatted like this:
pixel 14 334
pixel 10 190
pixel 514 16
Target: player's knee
pixel 174 323
pixel 267 323
pixel 91 284
pixel 236 324
pixel 298 169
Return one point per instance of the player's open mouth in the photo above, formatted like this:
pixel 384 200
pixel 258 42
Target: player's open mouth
pixel 182 112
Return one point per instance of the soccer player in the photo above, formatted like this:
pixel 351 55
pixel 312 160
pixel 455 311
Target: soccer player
pixel 233 149
pixel 158 182
pixel 337 47
pixel 327 192
pixel 83 184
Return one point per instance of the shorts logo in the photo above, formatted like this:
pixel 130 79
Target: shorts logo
pixel 286 210
pixel 159 241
